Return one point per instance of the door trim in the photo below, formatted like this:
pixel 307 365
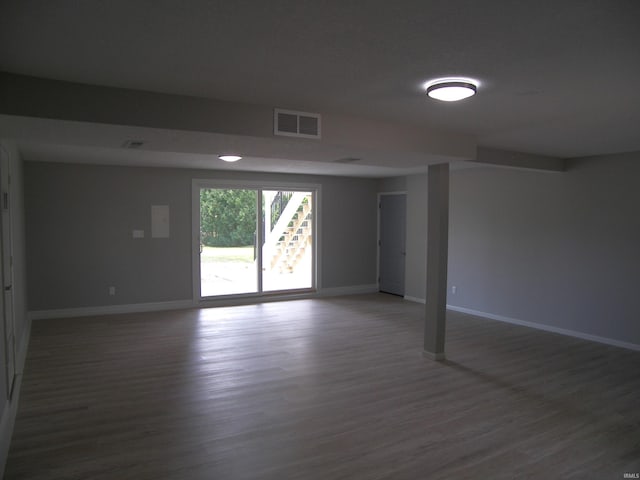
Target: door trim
pixel 7 281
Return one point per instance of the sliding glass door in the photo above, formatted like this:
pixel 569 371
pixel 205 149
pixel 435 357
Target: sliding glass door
pixel 227 241
pixel 287 251
pixel 253 240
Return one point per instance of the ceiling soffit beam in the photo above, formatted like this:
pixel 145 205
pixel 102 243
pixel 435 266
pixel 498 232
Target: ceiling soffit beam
pixel 43 98
pixel 505 158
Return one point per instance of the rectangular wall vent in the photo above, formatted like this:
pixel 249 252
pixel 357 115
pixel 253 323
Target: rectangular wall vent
pixel 296 124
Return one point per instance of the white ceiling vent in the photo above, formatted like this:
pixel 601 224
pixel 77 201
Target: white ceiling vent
pixel 133 144
pixel 296 124
pixel 347 160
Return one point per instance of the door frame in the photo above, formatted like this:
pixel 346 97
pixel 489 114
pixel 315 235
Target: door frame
pixel 8 300
pixel 379 232
pixel 198 183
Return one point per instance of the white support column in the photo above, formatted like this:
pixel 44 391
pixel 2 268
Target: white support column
pixel 437 259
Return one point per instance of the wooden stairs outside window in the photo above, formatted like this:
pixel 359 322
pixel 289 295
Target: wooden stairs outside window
pixel 290 243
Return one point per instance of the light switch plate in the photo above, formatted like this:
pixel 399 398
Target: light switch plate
pixel 138 234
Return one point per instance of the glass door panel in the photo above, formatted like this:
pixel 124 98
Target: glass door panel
pixel 287 251
pixel 228 260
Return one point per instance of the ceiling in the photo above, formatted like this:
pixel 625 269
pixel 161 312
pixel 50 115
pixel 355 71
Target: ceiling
pixel 556 77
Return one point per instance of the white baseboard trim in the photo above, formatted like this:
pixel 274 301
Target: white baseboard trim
pixel 184 304
pixel 547 328
pixel 350 290
pixel 110 310
pixel 415 299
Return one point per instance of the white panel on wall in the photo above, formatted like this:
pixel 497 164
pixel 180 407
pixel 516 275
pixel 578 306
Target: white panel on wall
pixel 159 221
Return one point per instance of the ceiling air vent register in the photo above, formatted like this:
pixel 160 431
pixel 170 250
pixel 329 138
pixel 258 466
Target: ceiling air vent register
pixel 291 123
pixel 133 144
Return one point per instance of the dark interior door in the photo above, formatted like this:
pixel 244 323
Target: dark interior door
pixel 393 217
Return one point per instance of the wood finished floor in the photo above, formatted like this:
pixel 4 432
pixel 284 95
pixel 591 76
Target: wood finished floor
pixel 320 389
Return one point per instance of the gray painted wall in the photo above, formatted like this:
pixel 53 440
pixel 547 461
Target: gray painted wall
pixel 555 249
pixel 349 226
pixel 79 233
pixel 392 184
pixel 560 250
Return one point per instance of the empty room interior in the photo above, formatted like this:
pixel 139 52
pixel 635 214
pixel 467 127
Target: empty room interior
pixel 320 239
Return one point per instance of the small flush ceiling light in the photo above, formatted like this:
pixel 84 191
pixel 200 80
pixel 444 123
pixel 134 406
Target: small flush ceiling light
pixel 229 158
pixel 451 89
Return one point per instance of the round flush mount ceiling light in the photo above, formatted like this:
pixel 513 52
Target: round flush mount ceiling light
pixel 229 158
pixel 451 89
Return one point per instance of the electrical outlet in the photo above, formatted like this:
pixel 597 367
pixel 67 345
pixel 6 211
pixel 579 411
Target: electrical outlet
pixel 454 289
pixel 112 290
